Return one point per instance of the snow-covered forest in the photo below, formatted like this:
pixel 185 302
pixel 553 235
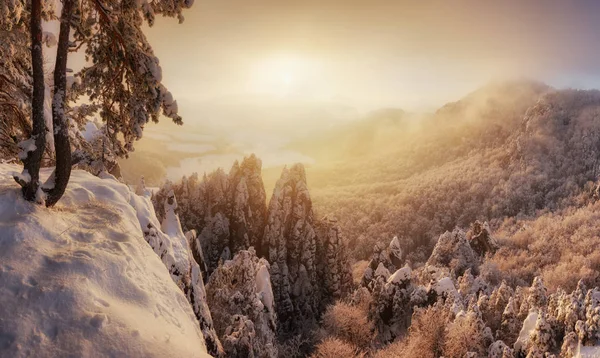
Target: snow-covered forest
pixel 493 233
pixel 470 231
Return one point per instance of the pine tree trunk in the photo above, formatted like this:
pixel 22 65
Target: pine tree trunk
pixel 34 158
pixel 59 119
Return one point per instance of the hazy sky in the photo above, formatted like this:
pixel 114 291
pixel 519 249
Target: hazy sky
pixel 375 53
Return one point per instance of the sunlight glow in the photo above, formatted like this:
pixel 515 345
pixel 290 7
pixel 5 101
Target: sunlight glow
pixel 284 75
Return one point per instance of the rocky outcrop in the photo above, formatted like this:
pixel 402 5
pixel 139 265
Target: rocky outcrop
pixel 290 245
pixel 228 211
pixel 390 257
pixel 453 251
pixel 393 302
pixel 241 301
pixel 171 245
pixel 333 263
pixel 248 208
pixel 480 238
pixel 309 263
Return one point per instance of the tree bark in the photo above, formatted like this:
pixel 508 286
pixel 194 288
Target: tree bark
pixel 60 122
pixel 34 158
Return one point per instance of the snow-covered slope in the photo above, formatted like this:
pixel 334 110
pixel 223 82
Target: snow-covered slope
pixel 80 280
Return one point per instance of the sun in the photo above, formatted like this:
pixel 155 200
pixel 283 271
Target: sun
pixel 282 74
pixel 287 78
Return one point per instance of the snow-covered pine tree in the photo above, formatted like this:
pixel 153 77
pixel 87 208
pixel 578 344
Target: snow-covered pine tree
pixel 122 81
pixel 16 81
pixel 541 340
pixel 238 341
pixel 124 77
pixel 589 330
pixel 571 308
pixel 569 345
pixel 496 305
pixel 468 333
pixel 510 325
pixel 538 296
pixel 499 349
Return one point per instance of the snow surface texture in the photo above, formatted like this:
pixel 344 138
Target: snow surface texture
pixel 79 279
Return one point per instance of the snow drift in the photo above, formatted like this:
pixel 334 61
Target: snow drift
pixel 80 280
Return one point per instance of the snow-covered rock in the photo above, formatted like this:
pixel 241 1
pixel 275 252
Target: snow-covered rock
pixel 480 238
pixel 395 252
pixel 401 275
pixel 241 301
pixel 333 264
pixel 228 211
pixel 171 245
pixel 393 302
pixel 290 243
pixel 80 280
pixel 248 208
pixel 526 331
pixel 389 257
pixel 444 288
pixel 453 251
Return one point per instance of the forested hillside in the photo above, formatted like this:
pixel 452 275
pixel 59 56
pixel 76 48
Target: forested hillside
pixel 506 150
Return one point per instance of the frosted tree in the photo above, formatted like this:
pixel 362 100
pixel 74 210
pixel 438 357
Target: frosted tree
pixel 468 333
pixel 569 345
pixel 124 78
pixel 238 341
pixel 470 285
pixel 542 338
pixel 122 81
pixel 140 189
pixel 589 330
pixel 16 70
pixel 571 308
pixel 499 349
pixel 498 300
pixel 510 325
pixel 538 297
